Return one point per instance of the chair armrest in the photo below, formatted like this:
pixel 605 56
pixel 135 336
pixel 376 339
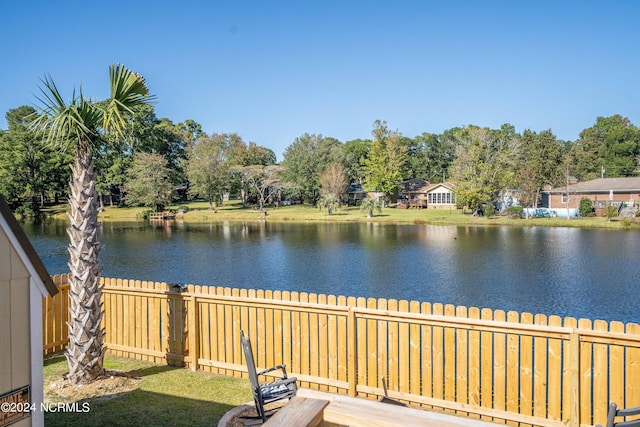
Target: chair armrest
pixel 281 367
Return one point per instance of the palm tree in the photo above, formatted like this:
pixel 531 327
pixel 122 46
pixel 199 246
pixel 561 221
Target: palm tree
pixel 369 204
pixel 330 202
pixel 81 126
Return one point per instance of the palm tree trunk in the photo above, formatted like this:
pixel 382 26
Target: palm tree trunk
pixel 85 352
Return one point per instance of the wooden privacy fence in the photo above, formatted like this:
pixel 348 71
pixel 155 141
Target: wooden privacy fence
pixel 511 368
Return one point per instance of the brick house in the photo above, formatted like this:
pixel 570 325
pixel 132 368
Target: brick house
pixel 601 192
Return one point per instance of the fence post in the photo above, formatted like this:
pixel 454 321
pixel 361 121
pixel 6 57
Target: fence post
pixel 574 343
pixel 193 316
pixel 351 351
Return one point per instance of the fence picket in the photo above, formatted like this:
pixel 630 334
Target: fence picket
pixel 632 363
pixel 373 364
pixel 586 375
pixel 540 352
pixel 474 362
pixel 414 350
pixel 600 376
pixel 513 366
pixel 314 344
pixel 331 368
pixel 323 345
pixel 404 350
pixel 526 369
pixel 462 359
pixel 427 353
pixel 305 340
pixel 449 357
pixel 554 392
pixel 438 355
pixel 486 363
pixel 499 364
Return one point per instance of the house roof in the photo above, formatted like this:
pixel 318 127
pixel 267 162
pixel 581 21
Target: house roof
pixel 414 185
pixel 448 185
pixel 14 230
pixel 602 185
pixel 356 188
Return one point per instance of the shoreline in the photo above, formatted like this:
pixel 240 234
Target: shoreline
pixel 198 212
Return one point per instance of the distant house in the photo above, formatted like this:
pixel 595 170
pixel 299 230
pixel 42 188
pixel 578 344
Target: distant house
pixel 431 196
pixel 601 192
pixel 441 196
pixel 23 282
pixel 507 198
pixel 412 186
pixel 355 194
pixel 412 194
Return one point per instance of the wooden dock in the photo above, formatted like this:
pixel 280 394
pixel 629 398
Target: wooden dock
pixel 160 216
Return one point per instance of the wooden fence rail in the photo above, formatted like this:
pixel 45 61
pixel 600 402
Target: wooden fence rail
pixel 508 367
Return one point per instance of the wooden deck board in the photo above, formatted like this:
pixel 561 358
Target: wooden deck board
pixel 299 412
pixel 354 412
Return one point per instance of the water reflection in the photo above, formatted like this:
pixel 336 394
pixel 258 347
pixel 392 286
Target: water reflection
pixel 561 271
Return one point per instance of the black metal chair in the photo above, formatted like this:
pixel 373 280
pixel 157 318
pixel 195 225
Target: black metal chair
pixel 624 413
pixel 266 393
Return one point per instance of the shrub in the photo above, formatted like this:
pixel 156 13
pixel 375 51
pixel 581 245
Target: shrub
pixel 27 211
pixel 586 207
pixel 626 223
pixel 514 212
pixel 489 210
pixel 145 214
pixel 183 209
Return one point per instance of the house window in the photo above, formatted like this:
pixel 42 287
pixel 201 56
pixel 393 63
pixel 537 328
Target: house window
pixel 565 199
pixel 441 198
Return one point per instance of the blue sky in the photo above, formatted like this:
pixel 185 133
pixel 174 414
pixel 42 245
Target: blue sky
pixel 274 70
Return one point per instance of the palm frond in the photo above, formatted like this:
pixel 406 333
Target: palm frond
pixel 128 89
pixel 63 124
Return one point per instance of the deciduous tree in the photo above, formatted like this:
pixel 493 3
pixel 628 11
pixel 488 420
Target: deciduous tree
pixel 208 168
pixel 484 164
pixel 541 162
pixel 29 169
pixel 610 148
pixel 386 161
pixel 148 182
pixel 304 161
pixel 334 181
pixel 264 181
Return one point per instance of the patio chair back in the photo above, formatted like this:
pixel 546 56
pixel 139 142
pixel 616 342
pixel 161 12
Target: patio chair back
pixel 624 413
pixel 251 365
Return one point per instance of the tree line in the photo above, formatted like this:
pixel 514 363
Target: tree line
pixel 156 161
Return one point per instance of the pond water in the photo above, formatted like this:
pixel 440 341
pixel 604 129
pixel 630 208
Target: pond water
pixel 554 271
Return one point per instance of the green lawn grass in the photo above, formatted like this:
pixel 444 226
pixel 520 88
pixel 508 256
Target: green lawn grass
pixel 233 211
pixel 161 396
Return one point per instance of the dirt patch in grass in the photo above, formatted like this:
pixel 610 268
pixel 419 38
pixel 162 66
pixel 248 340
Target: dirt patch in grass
pixel 59 389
